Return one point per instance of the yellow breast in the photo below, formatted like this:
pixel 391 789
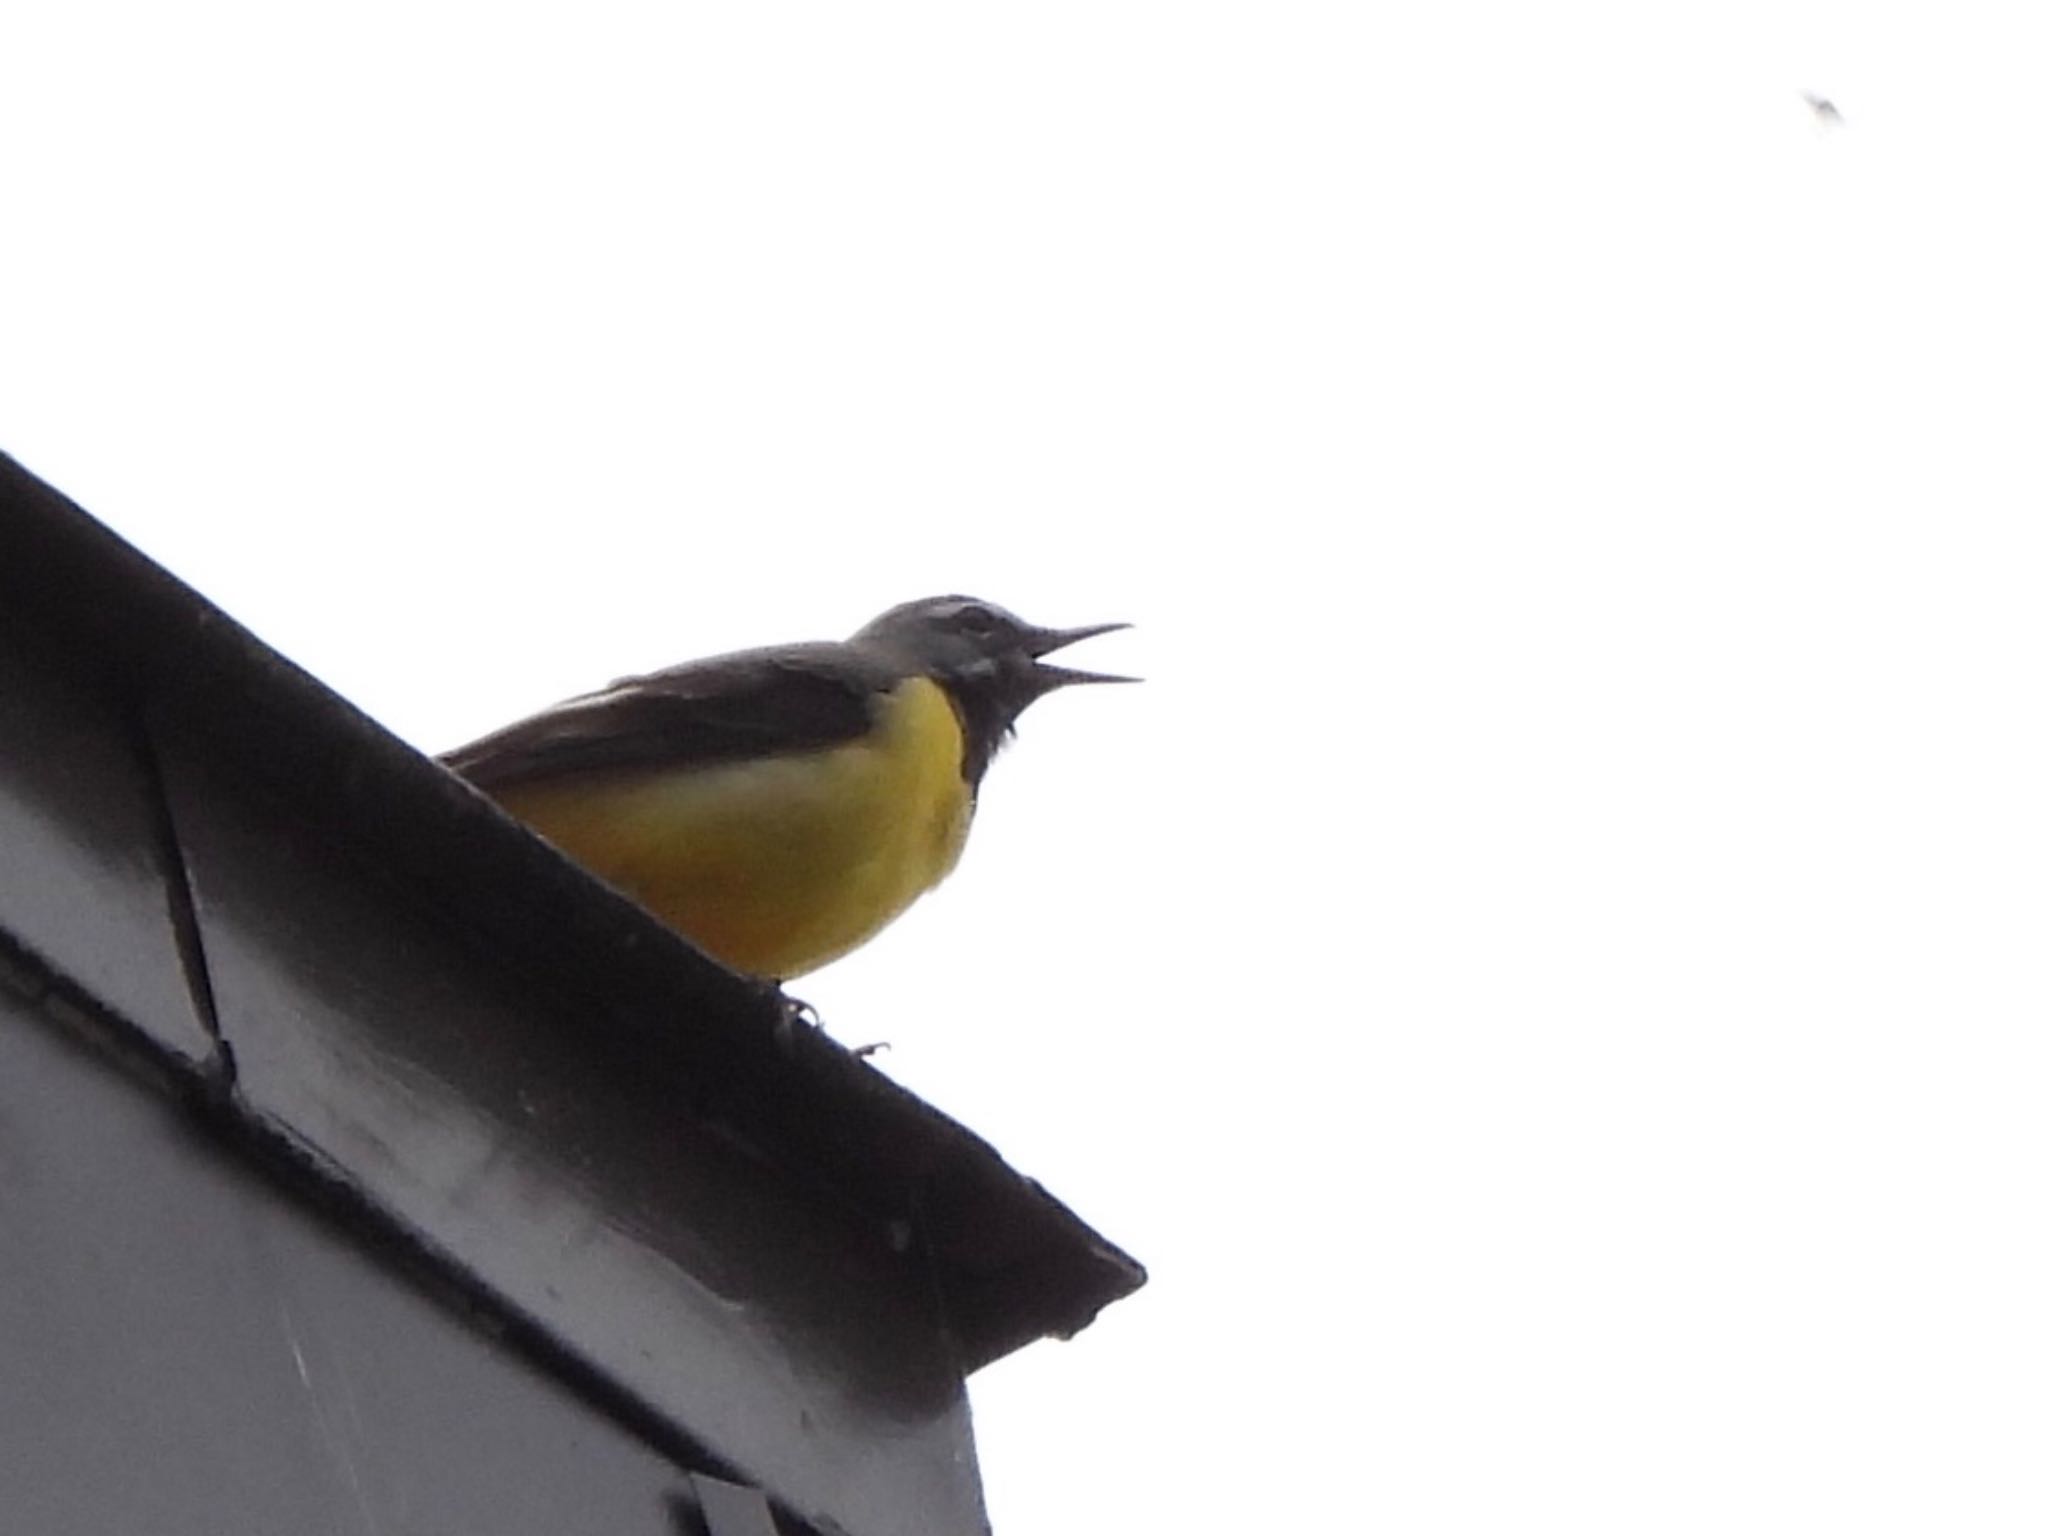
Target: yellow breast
pixel 777 865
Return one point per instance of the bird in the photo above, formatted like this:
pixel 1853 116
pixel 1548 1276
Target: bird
pixel 780 807
pixel 1825 112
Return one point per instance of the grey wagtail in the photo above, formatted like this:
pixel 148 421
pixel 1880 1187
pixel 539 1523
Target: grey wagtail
pixel 781 806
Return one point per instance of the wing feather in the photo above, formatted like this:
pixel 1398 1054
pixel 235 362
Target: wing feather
pixel 722 709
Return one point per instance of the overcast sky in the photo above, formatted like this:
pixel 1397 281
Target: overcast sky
pixel 1548 972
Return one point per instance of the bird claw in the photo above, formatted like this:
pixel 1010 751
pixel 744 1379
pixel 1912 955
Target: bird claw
pixel 795 1014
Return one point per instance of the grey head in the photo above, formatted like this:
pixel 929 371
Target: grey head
pixel 989 661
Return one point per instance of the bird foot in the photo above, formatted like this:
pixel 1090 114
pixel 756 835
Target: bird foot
pixel 796 1014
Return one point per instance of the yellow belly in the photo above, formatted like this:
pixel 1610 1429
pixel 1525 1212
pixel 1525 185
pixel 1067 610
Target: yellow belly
pixel 780 865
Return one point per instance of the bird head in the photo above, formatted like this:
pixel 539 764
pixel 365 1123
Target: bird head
pixel 990 661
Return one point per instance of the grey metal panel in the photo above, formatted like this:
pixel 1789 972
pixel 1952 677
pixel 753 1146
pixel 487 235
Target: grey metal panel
pixel 597 1197
pixel 186 1352
pixel 731 1509
pixel 82 879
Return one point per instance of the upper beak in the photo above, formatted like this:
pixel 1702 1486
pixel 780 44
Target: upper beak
pixel 1044 642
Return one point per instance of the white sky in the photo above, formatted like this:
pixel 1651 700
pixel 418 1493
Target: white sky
pixel 1549 970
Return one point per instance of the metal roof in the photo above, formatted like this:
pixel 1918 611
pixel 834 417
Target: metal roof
pixel 556 1098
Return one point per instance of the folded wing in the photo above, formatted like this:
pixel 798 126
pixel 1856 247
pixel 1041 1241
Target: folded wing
pixel 726 708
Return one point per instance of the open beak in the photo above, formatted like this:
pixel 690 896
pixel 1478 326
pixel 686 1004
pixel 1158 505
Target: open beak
pixel 1044 642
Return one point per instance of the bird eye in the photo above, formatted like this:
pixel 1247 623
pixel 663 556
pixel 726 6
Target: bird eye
pixel 975 620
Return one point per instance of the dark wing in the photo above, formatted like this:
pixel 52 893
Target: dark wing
pixel 788 698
